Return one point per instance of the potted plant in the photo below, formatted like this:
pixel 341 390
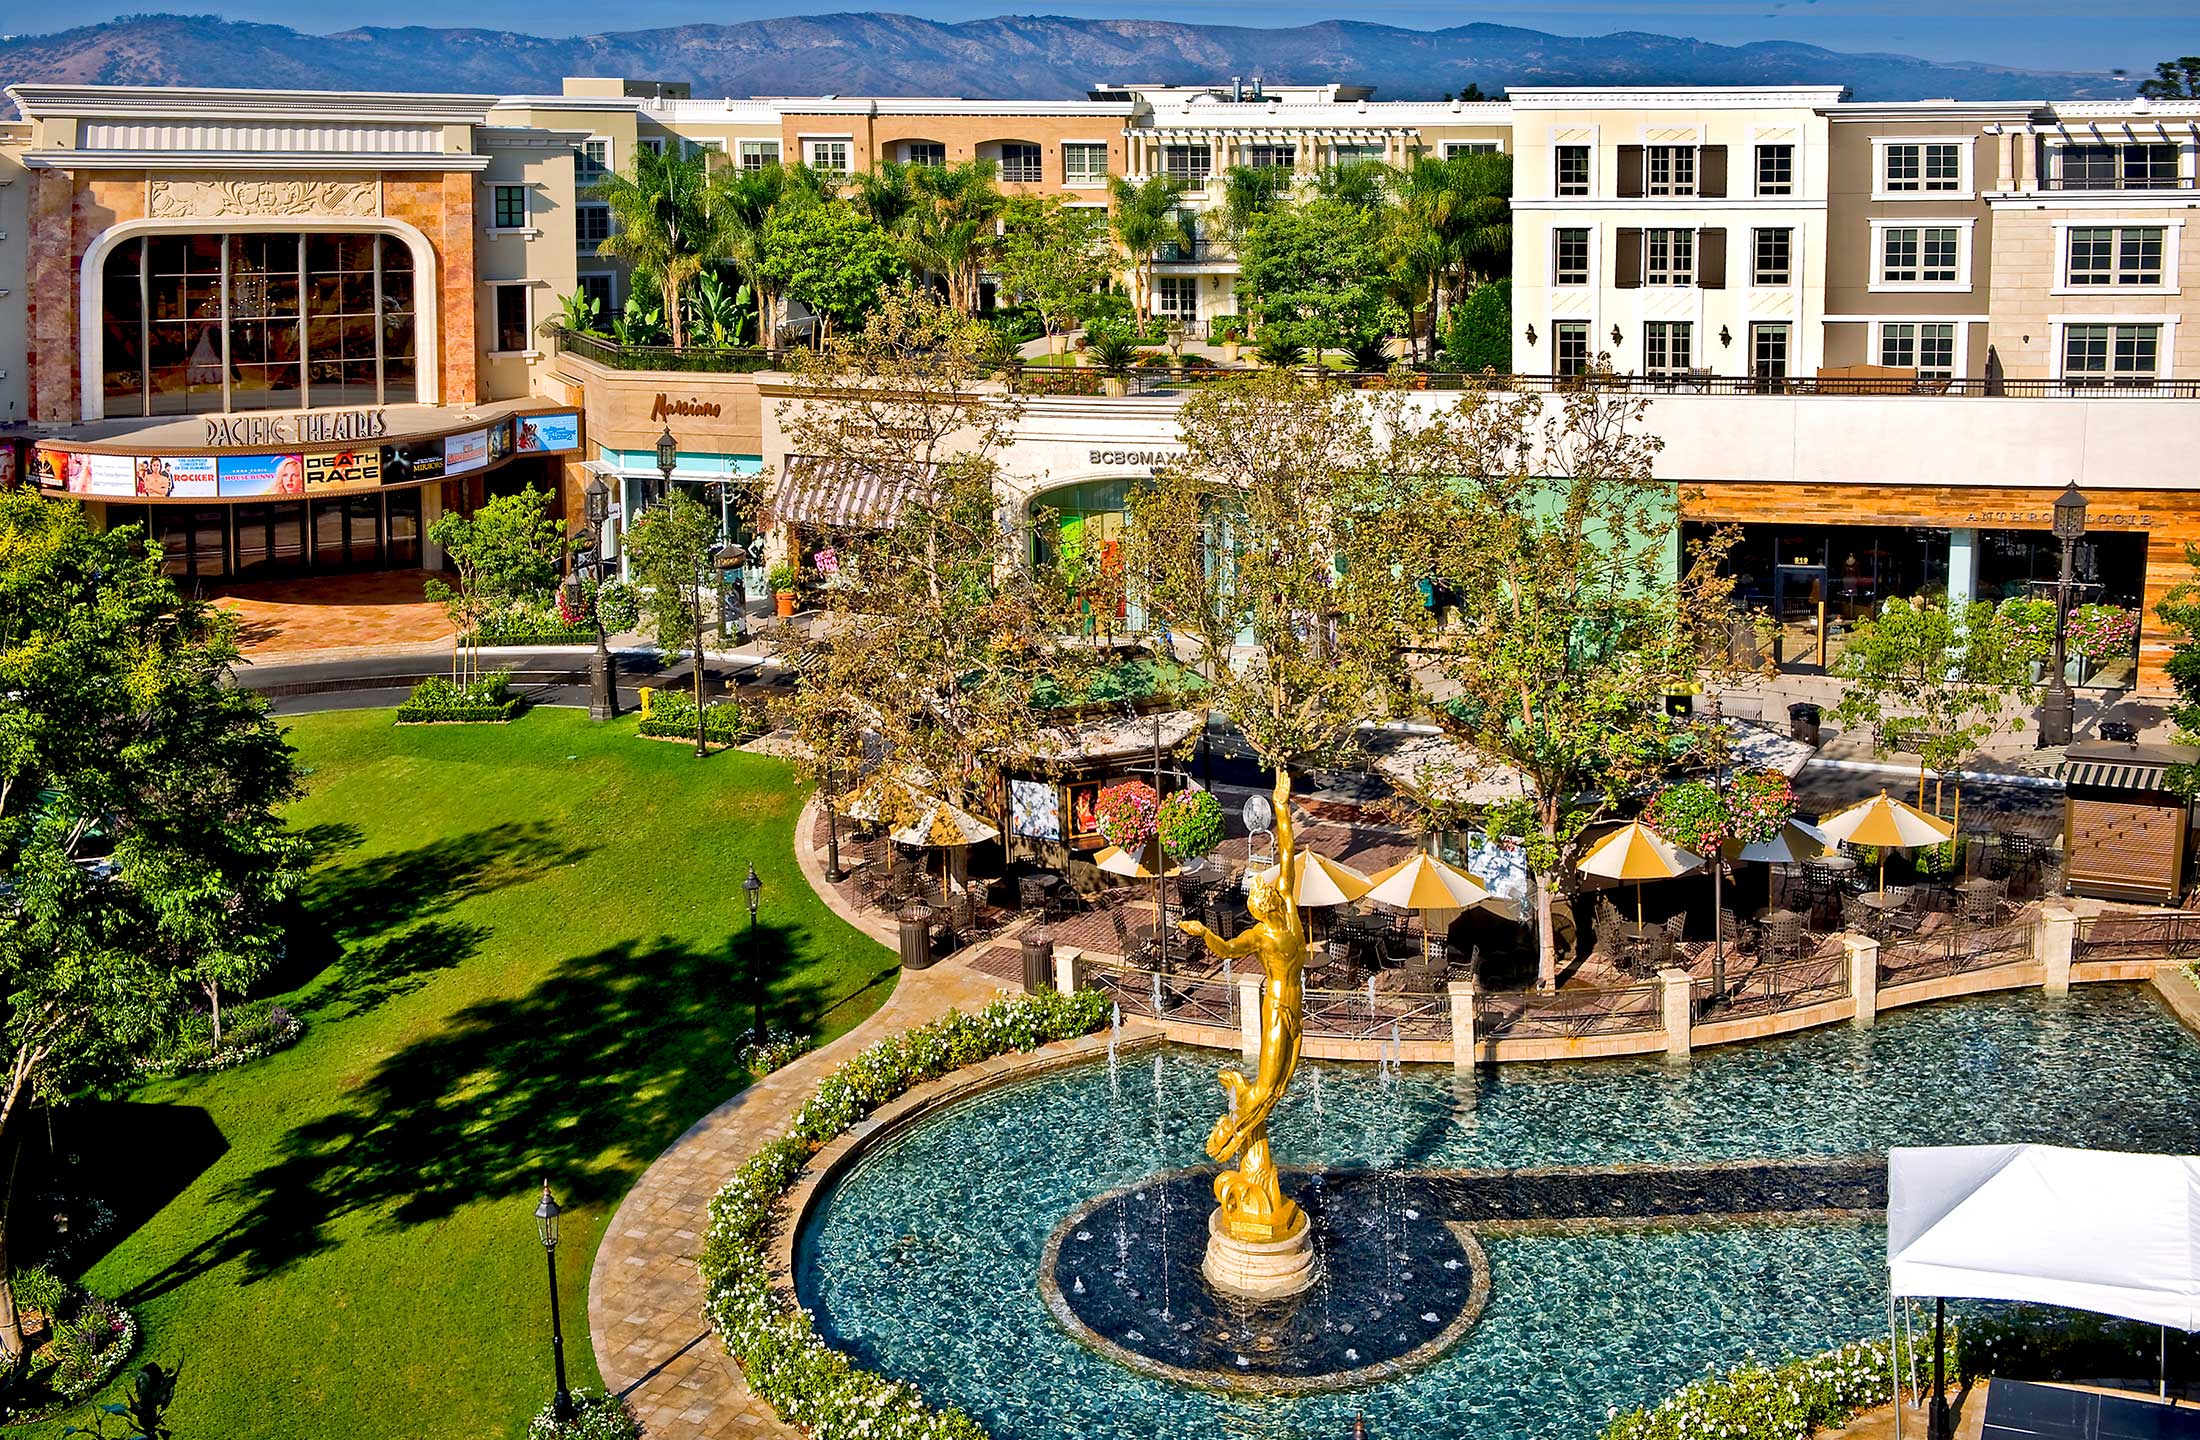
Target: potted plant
pixel 782 579
pixel 1116 355
pixel 1228 332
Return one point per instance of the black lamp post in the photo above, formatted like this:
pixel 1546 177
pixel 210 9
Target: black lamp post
pixel 603 694
pixel 668 455
pixel 754 887
pixel 546 1226
pixel 2058 708
pixel 833 872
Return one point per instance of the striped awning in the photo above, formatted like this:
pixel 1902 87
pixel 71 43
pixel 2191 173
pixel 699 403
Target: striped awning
pixel 839 493
pixel 2115 774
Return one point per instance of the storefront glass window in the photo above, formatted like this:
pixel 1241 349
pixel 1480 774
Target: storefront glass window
pixel 201 324
pixel 2015 562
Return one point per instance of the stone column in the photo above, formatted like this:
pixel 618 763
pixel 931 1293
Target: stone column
pixel 1677 1005
pixel 1069 969
pixel 1862 953
pixel 1462 1023
pixel 1249 1015
pixel 2054 942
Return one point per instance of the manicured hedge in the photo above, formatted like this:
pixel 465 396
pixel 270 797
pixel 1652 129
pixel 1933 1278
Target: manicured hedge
pixel 436 700
pixel 725 722
pixel 808 1382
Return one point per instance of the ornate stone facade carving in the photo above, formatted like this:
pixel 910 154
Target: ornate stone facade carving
pixel 303 196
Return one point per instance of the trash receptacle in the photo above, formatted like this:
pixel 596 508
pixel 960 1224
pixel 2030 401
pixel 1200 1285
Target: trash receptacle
pixel 1038 960
pixel 916 937
pixel 1803 723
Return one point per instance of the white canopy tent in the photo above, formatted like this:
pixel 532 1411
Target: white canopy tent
pixel 2099 1230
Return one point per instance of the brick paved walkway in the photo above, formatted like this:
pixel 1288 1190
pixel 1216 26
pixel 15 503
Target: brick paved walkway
pixel 335 612
pixel 645 1302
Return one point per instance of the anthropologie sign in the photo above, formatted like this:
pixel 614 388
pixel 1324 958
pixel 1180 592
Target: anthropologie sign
pixel 307 427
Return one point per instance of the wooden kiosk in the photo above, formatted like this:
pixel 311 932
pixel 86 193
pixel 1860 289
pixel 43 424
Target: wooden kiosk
pixel 2126 834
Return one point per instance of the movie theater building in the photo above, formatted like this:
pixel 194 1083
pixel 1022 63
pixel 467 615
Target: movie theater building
pixel 284 330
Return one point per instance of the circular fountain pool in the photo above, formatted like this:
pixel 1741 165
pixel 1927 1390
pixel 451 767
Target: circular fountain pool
pixel 1673 1218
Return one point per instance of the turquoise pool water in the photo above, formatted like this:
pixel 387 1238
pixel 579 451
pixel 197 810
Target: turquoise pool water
pixel 923 1261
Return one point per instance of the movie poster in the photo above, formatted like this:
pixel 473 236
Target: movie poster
pixel 263 475
pixel 109 474
pixel 176 477
pixel 343 470
pixel 50 469
pixel 1035 809
pixel 500 442
pixel 465 452
pixel 549 433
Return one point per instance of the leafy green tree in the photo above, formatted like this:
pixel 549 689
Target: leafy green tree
pixel 938 636
pixel 1052 257
pixel 1478 333
pixel 1361 184
pixel 1315 271
pixel 2173 80
pixel 831 259
pixel 671 551
pixel 1560 633
pixel 664 224
pixel 141 849
pixel 507 551
pixel 1145 217
pixel 1271 556
pixel 1929 680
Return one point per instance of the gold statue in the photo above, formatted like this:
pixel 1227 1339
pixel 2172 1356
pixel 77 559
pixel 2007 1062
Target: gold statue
pixel 1254 1207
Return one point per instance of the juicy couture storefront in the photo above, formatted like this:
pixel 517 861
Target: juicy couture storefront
pixel 256 323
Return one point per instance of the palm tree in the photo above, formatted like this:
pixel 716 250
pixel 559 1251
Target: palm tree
pixel 1146 218
pixel 1452 228
pixel 743 202
pixel 663 224
pixel 1365 184
pixel 952 227
pixel 1249 192
pixel 885 194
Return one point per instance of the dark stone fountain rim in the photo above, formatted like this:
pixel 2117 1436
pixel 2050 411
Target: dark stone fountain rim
pixel 1358 1378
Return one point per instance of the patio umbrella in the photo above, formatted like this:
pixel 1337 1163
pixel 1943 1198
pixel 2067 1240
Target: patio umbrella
pixel 1424 883
pixel 1318 881
pixel 1887 824
pixel 1635 852
pixel 946 826
pixel 1140 866
pixel 1792 844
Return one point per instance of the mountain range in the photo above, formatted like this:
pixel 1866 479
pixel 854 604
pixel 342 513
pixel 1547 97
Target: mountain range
pixel 1036 57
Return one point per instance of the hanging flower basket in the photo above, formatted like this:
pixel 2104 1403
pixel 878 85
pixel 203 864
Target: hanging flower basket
pixel 1189 824
pixel 1124 813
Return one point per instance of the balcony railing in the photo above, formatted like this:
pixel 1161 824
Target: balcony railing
pixel 1177 254
pixel 2121 182
pixel 734 360
pixel 1165 379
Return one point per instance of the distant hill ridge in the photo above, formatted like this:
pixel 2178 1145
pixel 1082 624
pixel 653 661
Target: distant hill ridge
pixel 1009 57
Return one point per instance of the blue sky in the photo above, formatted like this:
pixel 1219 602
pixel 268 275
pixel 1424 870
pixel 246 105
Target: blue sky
pixel 2026 33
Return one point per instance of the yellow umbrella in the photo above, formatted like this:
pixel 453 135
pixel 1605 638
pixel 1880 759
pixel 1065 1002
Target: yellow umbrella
pixel 1794 842
pixel 1118 861
pixel 1888 824
pixel 1424 883
pixel 1636 852
pixel 946 826
pixel 1319 881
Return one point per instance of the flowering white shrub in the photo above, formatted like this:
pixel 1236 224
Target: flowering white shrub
pixel 808 1382
pixel 596 1416
pixel 1791 1400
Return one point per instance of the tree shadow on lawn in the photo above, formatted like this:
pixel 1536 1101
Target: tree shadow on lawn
pixel 618 1052
pixel 134 1155
pixel 372 927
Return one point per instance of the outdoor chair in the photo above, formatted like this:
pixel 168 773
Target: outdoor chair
pixel 1782 937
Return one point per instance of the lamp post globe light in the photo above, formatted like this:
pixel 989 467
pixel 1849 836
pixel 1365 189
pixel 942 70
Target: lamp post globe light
pixel 2058 707
pixel 603 694
pixel 668 456
pixel 753 887
pixel 546 1229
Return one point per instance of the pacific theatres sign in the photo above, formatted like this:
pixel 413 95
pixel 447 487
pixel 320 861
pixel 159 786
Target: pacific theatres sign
pixel 309 427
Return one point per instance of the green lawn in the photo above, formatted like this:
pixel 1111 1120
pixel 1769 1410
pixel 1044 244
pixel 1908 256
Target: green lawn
pixel 523 955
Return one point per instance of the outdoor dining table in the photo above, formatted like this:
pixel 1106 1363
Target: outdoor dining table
pixel 1648 941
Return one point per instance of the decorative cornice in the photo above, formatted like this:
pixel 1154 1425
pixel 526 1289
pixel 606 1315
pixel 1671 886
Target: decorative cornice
pixel 860 105
pixel 1676 97
pixel 39 102
pixel 245 160
pixel 528 137
pixel 1964 111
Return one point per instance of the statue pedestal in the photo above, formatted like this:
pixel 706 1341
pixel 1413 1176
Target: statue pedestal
pixel 1259 1269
